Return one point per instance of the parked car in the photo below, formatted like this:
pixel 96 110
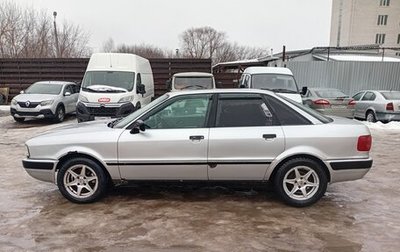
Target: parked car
pixel 45 99
pixel 372 105
pixel 329 101
pixel 191 80
pixel 277 79
pixel 114 85
pixel 209 135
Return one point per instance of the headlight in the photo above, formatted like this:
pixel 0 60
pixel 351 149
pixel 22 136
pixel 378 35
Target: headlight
pixel 83 98
pixel 46 103
pixel 14 102
pixel 27 152
pixel 126 99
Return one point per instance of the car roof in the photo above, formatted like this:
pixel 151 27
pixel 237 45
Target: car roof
pixel 223 91
pixel 55 82
pixel 195 74
pixel 268 70
pixel 324 89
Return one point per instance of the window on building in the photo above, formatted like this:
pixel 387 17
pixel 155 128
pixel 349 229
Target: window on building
pixel 382 19
pixel 380 38
pixel 384 2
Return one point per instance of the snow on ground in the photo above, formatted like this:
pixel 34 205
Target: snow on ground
pixel 382 126
pixel 4 107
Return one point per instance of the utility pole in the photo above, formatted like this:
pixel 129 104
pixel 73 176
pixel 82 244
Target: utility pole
pixel 56 35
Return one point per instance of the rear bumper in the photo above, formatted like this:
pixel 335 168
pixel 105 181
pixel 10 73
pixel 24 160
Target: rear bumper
pixel 345 170
pixel 385 116
pixel 43 170
pixel 44 113
pixel 88 112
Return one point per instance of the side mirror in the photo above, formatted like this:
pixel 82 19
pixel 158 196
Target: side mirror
pixel 67 94
pixel 22 91
pixel 168 84
pixel 304 90
pixel 140 89
pixel 138 126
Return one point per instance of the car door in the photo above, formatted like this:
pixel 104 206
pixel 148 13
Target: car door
pixel 364 103
pixel 245 139
pixel 68 100
pixel 357 108
pixel 174 145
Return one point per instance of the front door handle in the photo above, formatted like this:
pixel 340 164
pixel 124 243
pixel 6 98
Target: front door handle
pixel 269 136
pixel 196 138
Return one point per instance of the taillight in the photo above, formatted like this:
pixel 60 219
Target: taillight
pixel 390 106
pixel 352 103
pixel 322 102
pixel 364 143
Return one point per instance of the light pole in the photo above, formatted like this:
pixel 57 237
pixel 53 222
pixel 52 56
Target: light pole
pixel 56 35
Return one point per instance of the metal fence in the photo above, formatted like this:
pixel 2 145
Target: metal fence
pixel 347 76
pixel 18 74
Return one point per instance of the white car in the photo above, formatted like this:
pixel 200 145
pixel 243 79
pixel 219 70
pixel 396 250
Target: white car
pixel 45 99
pixel 215 135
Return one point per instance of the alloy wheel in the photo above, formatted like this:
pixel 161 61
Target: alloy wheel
pixel 301 183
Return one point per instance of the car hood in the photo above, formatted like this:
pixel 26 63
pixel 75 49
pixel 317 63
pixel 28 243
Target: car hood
pixel 34 97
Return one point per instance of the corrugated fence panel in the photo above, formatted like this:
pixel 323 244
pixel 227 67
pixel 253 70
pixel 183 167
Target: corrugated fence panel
pixel 18 74
pixel 347 76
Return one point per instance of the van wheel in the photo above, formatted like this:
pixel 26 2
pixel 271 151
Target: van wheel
pixel 60 114
pixel 300 182
pixel 371 116
pixel 81 180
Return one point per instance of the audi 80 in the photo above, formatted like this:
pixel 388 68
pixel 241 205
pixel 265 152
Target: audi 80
pixel 216 136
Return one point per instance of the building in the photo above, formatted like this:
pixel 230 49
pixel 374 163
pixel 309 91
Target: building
pixel 366 22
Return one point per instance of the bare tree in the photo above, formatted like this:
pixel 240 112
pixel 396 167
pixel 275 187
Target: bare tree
pixel 144 50
pixel 108 46
pixel 25 32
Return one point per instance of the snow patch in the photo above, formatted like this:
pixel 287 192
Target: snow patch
pixel 4 107
pixel 382 126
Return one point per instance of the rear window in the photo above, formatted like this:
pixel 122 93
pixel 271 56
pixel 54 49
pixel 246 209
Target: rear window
pixel 332 93
pixel 394 95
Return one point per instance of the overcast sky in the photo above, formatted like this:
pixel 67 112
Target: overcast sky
pixel 298 24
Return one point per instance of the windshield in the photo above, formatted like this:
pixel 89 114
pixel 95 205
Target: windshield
pixel 330 93
pixel 308 110
pixel 394 95
pixel 114 81
pixel 196 82
pixel 44 88
pixel 128 119
pixel 275 82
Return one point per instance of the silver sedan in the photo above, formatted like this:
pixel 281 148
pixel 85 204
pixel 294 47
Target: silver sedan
pixel 210 135
pixel 372 105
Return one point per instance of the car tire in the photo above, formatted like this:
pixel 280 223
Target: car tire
pixel 82 180
pixel 19 119
pixel 300 182
pixel 59 116
pixel 370 117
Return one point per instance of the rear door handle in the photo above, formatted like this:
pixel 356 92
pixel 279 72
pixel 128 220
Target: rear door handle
pixel 269 136
pixel 196 138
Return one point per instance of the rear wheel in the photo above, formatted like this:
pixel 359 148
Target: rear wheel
pixel 19 119
pixel 300 182
pixel 371 116
pixel 81 180
pixel 60 114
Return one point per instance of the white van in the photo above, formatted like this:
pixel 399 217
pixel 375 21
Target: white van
pixel 277 79
pixel 114 85
pixel 191 80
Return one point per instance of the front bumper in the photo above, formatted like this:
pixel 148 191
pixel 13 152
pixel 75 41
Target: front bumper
pixel 44 113
pixel 43 170
pixel 88 111
pixel 346 170
pixel 387 116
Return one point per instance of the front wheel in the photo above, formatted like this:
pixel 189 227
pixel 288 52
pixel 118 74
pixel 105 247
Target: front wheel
pixel 60 114
pixel 82 180
pixel 300 182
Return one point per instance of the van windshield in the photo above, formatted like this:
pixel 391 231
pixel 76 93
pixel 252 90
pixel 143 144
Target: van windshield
pixel 279 83
pixel 193 82
pixel 108 81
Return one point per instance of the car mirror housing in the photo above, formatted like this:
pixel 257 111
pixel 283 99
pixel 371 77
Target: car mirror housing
pixel 304 90
pixel 138 126
pixel 67 94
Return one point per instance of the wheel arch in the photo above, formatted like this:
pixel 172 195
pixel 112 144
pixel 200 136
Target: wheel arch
pixel 309 156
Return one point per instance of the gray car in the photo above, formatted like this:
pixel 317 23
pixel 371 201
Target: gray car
pixel 45 99
pixel 210 135
pixel 372 105
pixel 329 101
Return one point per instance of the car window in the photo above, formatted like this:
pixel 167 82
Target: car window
pixel 69 89
pixel 369 96
pixel 391 95
pixel 240 110
pixel 285 114
pixel 357 96
pixel 182 112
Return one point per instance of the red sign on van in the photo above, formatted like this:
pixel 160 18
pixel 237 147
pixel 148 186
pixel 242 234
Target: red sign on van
pixel 104 99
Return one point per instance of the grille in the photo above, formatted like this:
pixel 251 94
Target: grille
pixel 31 104
pixel 103 111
